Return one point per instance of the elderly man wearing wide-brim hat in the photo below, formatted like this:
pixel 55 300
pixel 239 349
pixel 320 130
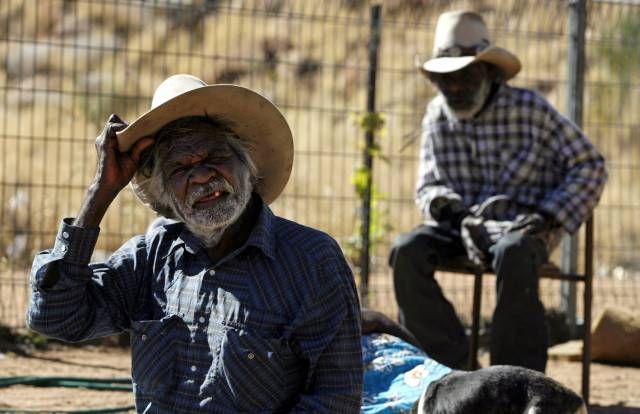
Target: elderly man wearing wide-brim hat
pixel 230 308
pixel 502 176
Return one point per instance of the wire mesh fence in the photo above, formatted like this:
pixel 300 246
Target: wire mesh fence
pixel 67 65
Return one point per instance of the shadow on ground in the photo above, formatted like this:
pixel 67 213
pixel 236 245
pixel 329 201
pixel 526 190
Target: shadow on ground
pixel 613 409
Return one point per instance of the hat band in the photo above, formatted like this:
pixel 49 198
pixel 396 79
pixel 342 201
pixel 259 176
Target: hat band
pixel 459 50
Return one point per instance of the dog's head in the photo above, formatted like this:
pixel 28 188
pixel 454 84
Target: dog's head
pixel 499 390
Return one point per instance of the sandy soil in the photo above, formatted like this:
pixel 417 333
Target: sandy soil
pixel 87 361
pixel 614 390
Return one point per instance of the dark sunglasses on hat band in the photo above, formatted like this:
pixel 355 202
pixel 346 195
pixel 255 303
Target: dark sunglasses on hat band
pixel 459 50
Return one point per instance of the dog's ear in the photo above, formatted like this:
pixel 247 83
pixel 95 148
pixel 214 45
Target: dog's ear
pixel 433 401
pixel 581 410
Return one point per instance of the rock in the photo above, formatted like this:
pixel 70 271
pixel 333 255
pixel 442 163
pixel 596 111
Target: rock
pixel 616 337
pixel 568 351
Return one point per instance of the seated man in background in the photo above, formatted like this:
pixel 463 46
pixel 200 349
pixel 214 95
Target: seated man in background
pixel 230 308
pixel 502 176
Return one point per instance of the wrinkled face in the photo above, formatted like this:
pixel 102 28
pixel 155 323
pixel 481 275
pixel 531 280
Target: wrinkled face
pixel 208 184
pixel 466 89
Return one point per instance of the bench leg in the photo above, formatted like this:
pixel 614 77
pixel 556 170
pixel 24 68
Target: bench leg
pixel 586 339
pixel 588 297
pixel 475 322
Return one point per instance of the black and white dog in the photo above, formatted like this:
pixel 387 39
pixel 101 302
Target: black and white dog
pixel 494 390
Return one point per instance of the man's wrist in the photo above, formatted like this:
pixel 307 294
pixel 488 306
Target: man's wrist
pixel 454 213
pixel 549 220
pixel 456 221
pixel 547 215
pixel 95 205
pixel 450 210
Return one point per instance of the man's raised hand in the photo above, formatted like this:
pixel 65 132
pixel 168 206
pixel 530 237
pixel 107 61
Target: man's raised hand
pixel 115 169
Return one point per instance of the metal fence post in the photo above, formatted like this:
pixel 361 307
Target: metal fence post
pixel 374 45
pixel 575 88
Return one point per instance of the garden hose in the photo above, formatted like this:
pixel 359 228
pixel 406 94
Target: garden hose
pixel 112 384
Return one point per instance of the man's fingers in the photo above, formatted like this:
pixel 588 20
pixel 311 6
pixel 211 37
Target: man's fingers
pixel 139 147
pixel 108 138
pixel 518 226
pixel 532 230
pixel 115 119
pixel 113 125
pixel 118 126
pixel 532 224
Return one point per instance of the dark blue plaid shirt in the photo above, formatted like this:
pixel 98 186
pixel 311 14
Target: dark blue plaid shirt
pixel 272 327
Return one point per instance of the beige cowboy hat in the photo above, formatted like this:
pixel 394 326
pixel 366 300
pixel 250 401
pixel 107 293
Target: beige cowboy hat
pixel 256 121
pixel 462 38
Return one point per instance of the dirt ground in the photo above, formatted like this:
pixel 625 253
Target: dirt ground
pixel 614 389
pixel 61 361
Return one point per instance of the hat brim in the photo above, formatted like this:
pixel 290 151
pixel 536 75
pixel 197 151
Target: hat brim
pixel 257 122
pixel 502 58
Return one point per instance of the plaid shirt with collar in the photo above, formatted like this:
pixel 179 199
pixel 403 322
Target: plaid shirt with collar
pixel 272 327
pixel 520 147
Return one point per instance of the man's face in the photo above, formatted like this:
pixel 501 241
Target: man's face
pixel 464 89
pixel 209 186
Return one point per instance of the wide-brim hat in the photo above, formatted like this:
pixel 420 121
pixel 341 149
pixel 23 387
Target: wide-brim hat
pixel 461 39
pixel 256 121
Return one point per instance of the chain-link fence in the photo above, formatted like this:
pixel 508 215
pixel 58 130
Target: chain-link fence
pixel 67 65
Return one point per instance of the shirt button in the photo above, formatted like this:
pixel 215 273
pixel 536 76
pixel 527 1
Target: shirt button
pixel 143 337
pixel 212 272
pixel 193 368
pixel 201 319
pixel 65 234
pixel 63 248
pixel 251 355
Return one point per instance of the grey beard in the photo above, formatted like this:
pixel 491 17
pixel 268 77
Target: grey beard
pixel 478 102
pixel 209 225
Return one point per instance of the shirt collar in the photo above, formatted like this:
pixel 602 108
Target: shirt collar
pixel 261 236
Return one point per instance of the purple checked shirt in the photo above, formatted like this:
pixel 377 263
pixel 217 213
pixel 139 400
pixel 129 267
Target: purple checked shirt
pixel 520 147
pixel 272 327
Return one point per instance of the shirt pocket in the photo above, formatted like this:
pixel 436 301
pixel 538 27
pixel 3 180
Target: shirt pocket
pixel 154 349
pixel 521 164
pixel 257 369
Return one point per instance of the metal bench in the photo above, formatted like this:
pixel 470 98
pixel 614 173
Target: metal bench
pixel 461 265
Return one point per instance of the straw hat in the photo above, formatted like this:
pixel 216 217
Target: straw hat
pixel 462 38
pixel 256 121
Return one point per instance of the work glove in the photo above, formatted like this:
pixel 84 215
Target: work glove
pixel 532 224
pixel 448 210
pixel 475 239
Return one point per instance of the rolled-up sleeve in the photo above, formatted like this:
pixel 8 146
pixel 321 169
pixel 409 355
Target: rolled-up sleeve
pixel 328 335
pixel 430 186
pixel 85 300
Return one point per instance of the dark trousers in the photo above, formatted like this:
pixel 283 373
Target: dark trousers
pixel 518 329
